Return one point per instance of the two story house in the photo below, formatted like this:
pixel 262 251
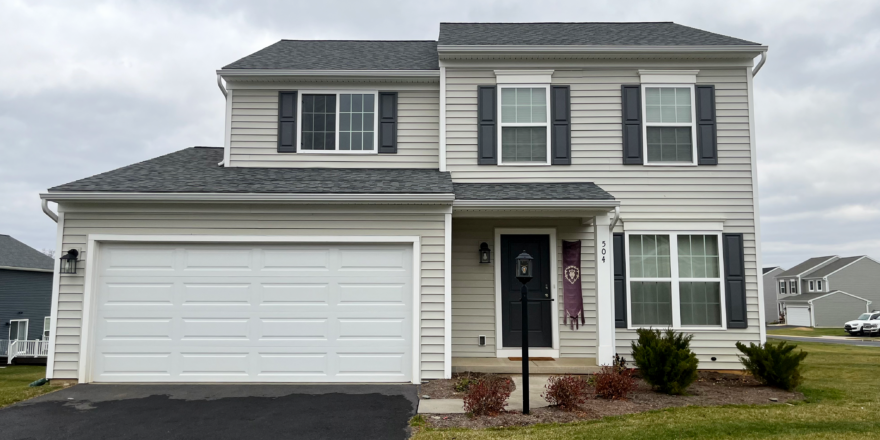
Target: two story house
pixel 828 291
pixel 361 221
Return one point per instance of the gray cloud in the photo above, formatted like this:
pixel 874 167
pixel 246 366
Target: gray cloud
pixel 91 86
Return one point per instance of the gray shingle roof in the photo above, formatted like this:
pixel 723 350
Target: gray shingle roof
pixel 530 191
pixel 14 253
pixel 805 266
pixel 195 170
pixel 770 269
pixel 809 296
pixel 343 55
pixel 581 34
pixel 831 267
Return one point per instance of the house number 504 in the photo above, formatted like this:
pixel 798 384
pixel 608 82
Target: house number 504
pixel 604 250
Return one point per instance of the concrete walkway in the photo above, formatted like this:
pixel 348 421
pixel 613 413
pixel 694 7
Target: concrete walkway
pixel 514 403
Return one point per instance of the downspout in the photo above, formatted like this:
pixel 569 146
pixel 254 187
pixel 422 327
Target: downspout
pixel 760 63
pixel 226 96
pixel 616 218
pixel 49 212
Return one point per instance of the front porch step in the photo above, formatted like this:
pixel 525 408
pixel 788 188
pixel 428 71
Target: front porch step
pixel 506 366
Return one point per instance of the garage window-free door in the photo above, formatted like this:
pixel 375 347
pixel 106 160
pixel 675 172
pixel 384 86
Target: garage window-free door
pixel 798 316
pixel 253 313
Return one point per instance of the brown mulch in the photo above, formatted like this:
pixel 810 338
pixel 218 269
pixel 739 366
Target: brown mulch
pixel 445 388
pixel 712 388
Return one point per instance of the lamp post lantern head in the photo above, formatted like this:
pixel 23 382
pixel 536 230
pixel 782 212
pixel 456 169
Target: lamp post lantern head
pixel 524 267
pixel 68 262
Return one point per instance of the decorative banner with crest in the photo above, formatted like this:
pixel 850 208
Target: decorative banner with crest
pixel 571 283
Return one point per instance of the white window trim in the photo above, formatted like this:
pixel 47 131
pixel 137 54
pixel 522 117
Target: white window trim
pixel 781 286
pixel 337 92
pixel 819 285
pixel 646 124
pixel 793 287
pixel 502 124
pixel 47 325
pixel 26 328
pixel 812 286
pixel 674 279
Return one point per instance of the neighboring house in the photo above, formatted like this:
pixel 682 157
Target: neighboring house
pixel 25 296
pixel 772 309
pixel 834 290
pixel 361 222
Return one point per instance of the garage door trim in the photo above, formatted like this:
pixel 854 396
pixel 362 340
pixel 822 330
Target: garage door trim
pixel 93 253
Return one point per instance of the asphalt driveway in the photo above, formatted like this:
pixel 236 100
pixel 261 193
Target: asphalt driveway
pixel 215 412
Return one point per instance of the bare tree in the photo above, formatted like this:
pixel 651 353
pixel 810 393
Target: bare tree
pixel 49 253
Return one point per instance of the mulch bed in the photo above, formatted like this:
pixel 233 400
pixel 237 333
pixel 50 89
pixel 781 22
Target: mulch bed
pixel 712 388
pixel 445 388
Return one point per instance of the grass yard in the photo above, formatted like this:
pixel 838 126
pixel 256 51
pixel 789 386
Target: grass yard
pixel 14 381
pixel 842 390
pixel 808 332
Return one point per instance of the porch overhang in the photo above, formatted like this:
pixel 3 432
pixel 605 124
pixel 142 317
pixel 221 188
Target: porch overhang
pixel 559 199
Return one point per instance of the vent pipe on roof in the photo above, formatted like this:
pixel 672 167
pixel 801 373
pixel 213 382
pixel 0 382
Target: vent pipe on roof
pixel 49 212
pixel 760 63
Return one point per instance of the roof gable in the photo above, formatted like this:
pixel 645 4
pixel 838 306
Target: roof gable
pixel 581 34
pixel 14 253
pixel 806 266
pixel 343 55
pixel 832 267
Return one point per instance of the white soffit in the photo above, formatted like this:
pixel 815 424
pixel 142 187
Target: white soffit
pixel 668 76
pixel 523 76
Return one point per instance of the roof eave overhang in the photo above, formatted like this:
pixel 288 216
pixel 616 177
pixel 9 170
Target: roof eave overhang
pixel 587 49
pixel 26 269
pixel 312 198
pixel 528 204
pixel 266 74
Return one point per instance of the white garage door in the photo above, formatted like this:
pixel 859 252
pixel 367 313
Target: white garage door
pixel 253 313
pixel 798 316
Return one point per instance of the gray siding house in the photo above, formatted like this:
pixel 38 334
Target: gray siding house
pixel 25 293
pixel 361 220
pixel 832 291
pixel 772 309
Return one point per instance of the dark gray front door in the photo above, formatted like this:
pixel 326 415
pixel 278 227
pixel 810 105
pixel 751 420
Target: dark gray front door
pixel 540 329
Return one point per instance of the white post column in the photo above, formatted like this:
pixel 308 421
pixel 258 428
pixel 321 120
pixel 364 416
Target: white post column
pixel 605 349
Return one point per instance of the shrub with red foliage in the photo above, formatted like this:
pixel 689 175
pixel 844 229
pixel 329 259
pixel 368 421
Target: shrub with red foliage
pixel 487 395
pixel 615 382
pixel 566 392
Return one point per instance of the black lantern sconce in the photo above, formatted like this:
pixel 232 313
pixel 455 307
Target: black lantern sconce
pixel 485 253
pixel 68 262
pixel 524 267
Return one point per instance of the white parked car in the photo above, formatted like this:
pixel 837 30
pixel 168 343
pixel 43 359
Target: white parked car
pixel 866 324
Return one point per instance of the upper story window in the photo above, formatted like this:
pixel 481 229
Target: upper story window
pixel 524 132
pixel 812 285
pixel 343 122
pixel 794 287
pixel 819 285
pixel 669 124
pixel 782 286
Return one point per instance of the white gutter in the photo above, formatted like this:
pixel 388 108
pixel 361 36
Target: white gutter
pixel 48 211
pixel 442 118
pixel 220 84
pixel 525 204
pixel 299 72
pixel 760 63
pixel 228 127
pixel 249 197
pixel 615 219
pixel 599 49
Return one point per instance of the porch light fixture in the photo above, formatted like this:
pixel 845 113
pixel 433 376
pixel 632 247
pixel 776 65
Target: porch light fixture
pixel 68 262
pixel 524 267
pixel 485 253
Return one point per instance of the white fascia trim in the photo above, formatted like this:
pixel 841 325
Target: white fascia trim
pixel 600 49
pixel 26 269
pixel 839 291
pixel 524 204
pixel 288 72
pixel 251 197
pixel 523 76
pixel 818 266
pixel 838 270
pixel 668 76
pixel 674 226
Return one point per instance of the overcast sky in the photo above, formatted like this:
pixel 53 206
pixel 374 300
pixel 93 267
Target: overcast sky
pixel 86 87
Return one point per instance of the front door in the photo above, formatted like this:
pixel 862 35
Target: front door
pixel 540 330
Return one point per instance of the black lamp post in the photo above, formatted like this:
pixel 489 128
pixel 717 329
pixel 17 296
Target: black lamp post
pixel 524 268
pixel 68 262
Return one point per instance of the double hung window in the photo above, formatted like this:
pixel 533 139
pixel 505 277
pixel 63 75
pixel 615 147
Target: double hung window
pixel 812 285
pixel 675 280
pixel 819 285
pixel 47 325
pixel 524 129
pixel 670 131
pixel 794 287
pixel 343 122
pixel 781 286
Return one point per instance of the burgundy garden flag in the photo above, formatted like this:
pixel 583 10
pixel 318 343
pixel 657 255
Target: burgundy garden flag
pixel 571 283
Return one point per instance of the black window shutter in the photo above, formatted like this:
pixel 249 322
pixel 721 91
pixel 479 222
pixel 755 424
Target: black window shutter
pixel 560 115
pixel 707 132
pixel 631 102
pixel 735 281
pixel 487 116
pixel 287 122
pixel 619 281
pixel 388 122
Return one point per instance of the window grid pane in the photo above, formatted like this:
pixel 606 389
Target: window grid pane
pixel 649 256
pixel 524 144
pixel 651 303
pixel 668 104
pixel 319 122
pixel 523 105
pixel 698 256
pixel 356 121
pixel 670 144
pixel 700 303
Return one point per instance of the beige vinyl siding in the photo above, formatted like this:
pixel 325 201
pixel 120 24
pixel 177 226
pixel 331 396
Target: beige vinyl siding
pixel 81 220
pixel 860 279
pixel 722 193
pixel 836 309
pixel 473 285
pixel 254 136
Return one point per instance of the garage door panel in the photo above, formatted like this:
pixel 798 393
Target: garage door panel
pixel 798 316
pixel 293 315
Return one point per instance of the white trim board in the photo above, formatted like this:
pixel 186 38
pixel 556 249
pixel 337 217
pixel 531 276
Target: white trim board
pixel 93 256
pixel 56 291
pixel 313 198
pixel 500 350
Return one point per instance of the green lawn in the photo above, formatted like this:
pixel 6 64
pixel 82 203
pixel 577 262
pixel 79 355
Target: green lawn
pixel 808 332
pixel 842 388
pixel 14 380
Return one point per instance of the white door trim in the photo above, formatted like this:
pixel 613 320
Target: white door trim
pixel 500 350
pixel 93 255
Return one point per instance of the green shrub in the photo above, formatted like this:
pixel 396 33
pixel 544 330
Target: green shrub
pixel 462 383
pixel 776 365
pixel 665 360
